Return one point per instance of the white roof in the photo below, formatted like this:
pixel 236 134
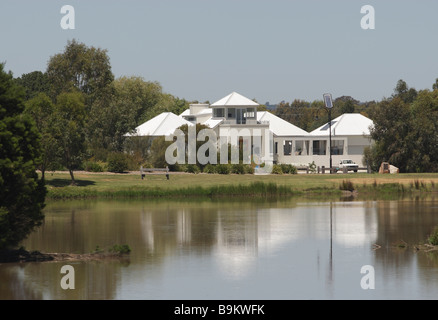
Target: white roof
pixel 186 113
pixel 280 127
pixel 212 123
pixel 234 100
pixel 162 125
pixel 348 124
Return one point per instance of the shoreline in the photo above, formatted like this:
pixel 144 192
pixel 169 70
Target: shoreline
pixel 22 256
pixel 198 186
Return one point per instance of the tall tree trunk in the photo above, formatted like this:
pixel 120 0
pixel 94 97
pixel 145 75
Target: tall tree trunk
pixel 43 171
pixel 73 182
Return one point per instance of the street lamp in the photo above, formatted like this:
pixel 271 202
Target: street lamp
pixel 329 105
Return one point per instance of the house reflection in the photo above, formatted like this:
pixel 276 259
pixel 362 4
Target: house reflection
pixel 236 237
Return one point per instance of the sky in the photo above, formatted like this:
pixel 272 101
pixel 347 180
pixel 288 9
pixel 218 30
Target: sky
pixel 265 50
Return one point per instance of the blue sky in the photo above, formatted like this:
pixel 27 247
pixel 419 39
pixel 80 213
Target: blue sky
pixel 268 50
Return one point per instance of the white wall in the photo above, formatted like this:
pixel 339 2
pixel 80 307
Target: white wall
pixel 353 149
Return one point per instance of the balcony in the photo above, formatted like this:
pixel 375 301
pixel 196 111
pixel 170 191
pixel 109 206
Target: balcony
pixel 250 122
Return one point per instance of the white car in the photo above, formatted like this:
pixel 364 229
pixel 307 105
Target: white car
pixel 349 164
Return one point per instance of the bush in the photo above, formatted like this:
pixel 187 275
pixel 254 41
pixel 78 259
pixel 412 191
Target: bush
pixel 249 169
pixel 117 162
pixel 276 169
pixel 178 167
pixel 238 168
pixel 312 167
pixel 120 249
pixel 346 185
pixel 193 168
pixel 288 168
pixel 209 168
pixel 94 166
pixel 433 238
pixel 223 169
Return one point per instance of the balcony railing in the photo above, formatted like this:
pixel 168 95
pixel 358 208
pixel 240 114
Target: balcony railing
pixel 246 122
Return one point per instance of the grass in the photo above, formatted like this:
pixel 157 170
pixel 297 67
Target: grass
pixel 108 185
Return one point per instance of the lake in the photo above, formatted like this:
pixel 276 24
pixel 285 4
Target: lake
pixel 283 250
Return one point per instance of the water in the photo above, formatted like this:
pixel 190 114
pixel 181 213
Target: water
pixel 233 250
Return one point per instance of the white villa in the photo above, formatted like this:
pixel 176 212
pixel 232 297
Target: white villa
pixel 292 145
pixel 350 134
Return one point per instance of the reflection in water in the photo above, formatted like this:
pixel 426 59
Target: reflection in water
pixel 283 250
pixel 13 281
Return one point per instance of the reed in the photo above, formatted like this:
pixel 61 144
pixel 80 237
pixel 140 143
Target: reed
pixel 252 190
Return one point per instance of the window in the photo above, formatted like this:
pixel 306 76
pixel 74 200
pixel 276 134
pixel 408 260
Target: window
pixel 337 147
pixel 302 148
pixel 287 147
pixel 320 147
pixel 250 113
pixel 218 112
pixel 231 113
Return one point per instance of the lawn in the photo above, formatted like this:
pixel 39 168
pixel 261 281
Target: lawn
pixel 131 184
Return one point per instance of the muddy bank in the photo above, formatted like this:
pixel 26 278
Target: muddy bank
pixel 21 255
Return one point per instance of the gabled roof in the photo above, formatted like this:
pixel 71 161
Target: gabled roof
pixel 161 125
pixel 348 124
pixel 280 127
pixel 234 100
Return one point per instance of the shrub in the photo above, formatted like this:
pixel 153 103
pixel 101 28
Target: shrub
pixel 223 169
pixel 249 169
pixel 346 185
pixel 93 166
pixel 178 167
pixel 117 162
pixel 288 168
pixel 209 168
pixel 238 168
pixel 433 238
pixel 120 249
pixel 276 169
pixel 193 168
pixel 312 167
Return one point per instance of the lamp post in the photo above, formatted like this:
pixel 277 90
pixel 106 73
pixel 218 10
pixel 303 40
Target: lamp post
pixel 329 105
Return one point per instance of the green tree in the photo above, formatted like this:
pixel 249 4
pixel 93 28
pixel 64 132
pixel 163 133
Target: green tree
pixel 68 130
pixel 22 192
pixel 34 83
pixel 435 85
pixel 423 137
pixel 159 146
pixel 134 101
pixel 405 93
pixel 391 132
pixel 86 69
pixel 346 104
pixel 111 118
pixel 157 155
pixel 41 109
